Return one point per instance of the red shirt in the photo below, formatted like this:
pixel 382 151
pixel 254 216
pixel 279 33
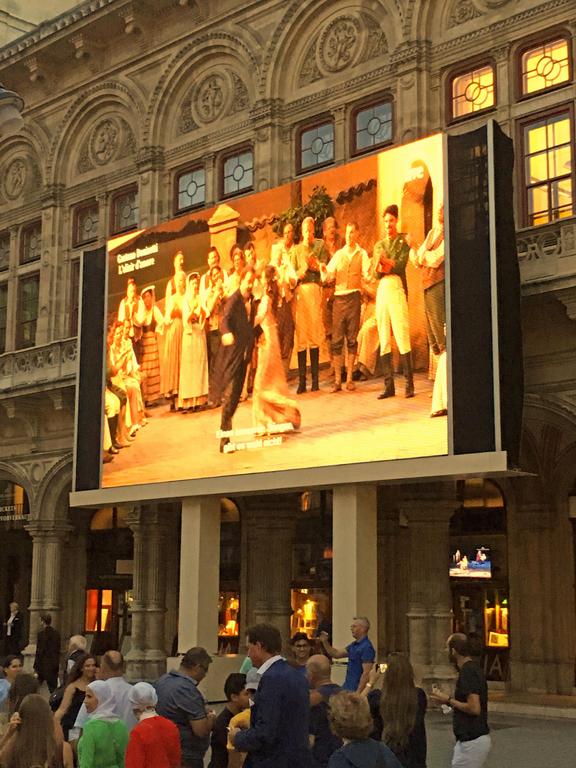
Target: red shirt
pixel 154 743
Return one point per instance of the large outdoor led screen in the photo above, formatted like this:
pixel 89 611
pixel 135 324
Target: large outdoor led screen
pixel 223 371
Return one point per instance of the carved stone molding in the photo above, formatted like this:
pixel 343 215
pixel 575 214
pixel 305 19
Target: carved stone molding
pixel 345 41
pixel 461 12
pixel 110 139
pixel 217 95
pixel 15 178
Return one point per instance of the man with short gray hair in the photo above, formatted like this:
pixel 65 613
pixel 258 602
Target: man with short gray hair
pixel 361 655
pixel 180 701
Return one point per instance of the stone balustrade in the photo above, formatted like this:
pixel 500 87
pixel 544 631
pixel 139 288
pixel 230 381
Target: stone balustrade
pixel 547 256
pixel 38 367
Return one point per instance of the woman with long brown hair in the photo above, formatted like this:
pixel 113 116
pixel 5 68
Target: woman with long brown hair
pixel 33 740
pixel 81 675
pixel 403 708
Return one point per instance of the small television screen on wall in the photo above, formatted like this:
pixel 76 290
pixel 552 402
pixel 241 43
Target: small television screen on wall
pixel 471 563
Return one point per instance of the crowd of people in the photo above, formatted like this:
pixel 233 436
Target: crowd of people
pixel 283 712
pixel 227 334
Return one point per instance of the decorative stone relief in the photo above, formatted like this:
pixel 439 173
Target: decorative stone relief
pixel 211 97
pixel 218 94
pixel 344 42
pixel 340 43
pixel 104 142
pixel 110 139
pixel 461 12
pixel 15 178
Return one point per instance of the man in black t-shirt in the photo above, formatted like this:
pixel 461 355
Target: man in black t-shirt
pixel 237 699
pixel 469 705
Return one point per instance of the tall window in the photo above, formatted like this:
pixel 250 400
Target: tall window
pixel 86 220
pixel 27 317
pixel 31 243
pixel 372 126
pixel 3 315
pixel 190 189
pixel 238 172
pixel 74 296
pixel 545 66
pixel 316 146
pixel 472 91
pixel 548 167
pixel 125 212
pixel 4 250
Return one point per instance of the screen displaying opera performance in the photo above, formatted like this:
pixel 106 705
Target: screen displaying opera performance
pixel 298 327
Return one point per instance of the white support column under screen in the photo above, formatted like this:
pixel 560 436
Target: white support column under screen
pixel 199 574
pixel 354 565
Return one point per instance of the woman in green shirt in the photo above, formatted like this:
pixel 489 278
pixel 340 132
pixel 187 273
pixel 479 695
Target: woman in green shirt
pixel 105 736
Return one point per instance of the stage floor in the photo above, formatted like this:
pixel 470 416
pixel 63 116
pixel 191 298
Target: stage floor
pixel 340 428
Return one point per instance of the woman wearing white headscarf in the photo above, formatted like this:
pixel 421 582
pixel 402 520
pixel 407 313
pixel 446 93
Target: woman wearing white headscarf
pixel 105 736
pixel 155 741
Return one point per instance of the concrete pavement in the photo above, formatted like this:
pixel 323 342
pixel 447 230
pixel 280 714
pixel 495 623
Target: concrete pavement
pixel 517 742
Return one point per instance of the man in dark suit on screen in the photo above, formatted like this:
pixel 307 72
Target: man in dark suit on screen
pixel 279 720
pixel 237 329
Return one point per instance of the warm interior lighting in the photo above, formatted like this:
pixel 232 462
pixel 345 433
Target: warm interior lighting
pixel 548 168
pixel 496 622
pixel 473 91
pixel 545 66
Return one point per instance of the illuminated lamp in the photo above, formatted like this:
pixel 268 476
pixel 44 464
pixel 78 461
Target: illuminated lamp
pixel 11 106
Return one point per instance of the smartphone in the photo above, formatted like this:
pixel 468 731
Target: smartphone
pixel 382 668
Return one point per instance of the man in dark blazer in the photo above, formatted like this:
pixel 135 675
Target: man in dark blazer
pixel 279 719
pixel 47 661
pixel 237 329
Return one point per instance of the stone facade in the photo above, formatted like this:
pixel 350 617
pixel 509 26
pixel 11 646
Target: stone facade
pixel 122 95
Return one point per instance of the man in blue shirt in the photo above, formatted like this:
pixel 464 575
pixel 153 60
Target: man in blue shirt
pixel 180 701
pixel 361 654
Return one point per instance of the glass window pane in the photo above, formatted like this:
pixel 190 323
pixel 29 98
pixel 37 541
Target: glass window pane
pixel 86 224
pixel 373 126
pixel 31 245
pixel 537 168
pixel 560 161
pixel 561 194
pixel 538 205
pixel 191 189
pixel 27 311
pixel 317 146
pixel 473 91
pixel 3 316
pixel 4 250
pixel 238 173
pixel 125 211
pixel 548 165
pixel 545 66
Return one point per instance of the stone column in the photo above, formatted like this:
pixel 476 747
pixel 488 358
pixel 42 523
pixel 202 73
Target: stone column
pixel 172 568
pixel 269 522
pixel 150 203
pixel 199 574
pixel 48 538
pixel 155 609
pixel 393 574
pixel 340 134
pixel 354 567
pixel 48 301
pixel 428 508
pixel 136 656
pixel 73 615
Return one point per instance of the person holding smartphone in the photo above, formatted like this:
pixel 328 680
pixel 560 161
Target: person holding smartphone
pixel 360 654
